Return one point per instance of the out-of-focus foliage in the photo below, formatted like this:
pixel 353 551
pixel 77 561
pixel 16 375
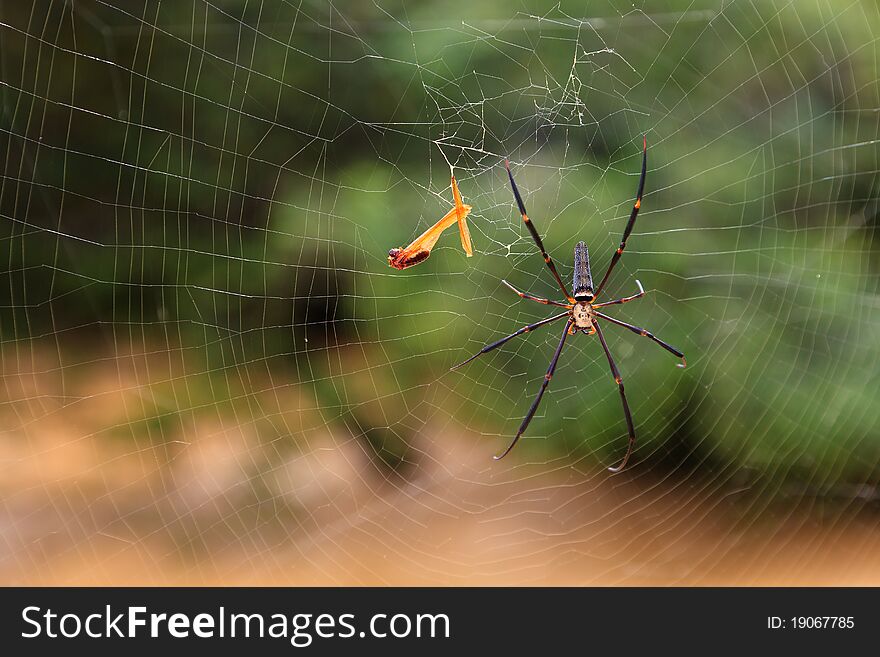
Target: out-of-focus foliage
pixel 225 180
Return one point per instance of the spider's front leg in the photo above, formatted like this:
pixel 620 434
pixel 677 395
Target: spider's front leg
pixel 546 382
pixel 647 334
pixel 619 380
pixel 498 343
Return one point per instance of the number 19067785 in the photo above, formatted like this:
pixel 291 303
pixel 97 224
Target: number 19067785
pixel 811 622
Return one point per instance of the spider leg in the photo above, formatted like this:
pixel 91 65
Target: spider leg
pixel 528 222
pixel 498 343
pixel 638 295
pixel 544 384
pixel 647 334
pixel 629 421
pixel 631 222
pixel 546 302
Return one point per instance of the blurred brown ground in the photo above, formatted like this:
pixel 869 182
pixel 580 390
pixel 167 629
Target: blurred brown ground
pixel 82 505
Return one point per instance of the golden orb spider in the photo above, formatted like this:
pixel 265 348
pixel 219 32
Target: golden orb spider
pixel 581 310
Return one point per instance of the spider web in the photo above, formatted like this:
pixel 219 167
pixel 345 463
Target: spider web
pixel 212 375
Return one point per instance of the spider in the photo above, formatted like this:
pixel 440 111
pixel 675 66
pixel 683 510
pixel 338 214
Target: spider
pixel 581 311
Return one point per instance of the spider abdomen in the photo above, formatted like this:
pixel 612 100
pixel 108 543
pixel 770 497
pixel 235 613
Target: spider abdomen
pixel 583 279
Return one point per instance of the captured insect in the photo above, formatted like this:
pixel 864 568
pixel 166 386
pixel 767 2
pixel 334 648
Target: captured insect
pixel 581 311
pixel 420 249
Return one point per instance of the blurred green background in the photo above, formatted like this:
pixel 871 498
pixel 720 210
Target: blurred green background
pixel 207 192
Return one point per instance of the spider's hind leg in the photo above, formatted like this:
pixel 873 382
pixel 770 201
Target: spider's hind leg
pixel 637 295
pixel 526 295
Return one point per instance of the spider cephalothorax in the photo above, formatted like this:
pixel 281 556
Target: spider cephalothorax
pixel 581 312
pixel 582 318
